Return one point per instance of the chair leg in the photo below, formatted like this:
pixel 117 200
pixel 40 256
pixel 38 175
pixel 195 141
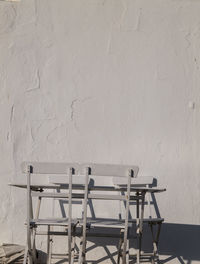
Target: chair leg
pixel 140 243
pixel 120 252
pixel 34 248
pixel 25 255
pixel 155 239
pixel 48 240
pixel 124 253
pixel 127 253
pixel 34 229
pixel 119 249
pixel 69 246
pixel 30 260
pixel 82 253
pixel 138 251
pixel 73 243
pixel 82 249
pixel 29 216
pixel 50 251
pixel 137 230
pixel 29 250
pixel 49 246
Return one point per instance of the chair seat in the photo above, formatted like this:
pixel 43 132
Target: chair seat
pixel 53 221
pixel 115 223
pixel 97 222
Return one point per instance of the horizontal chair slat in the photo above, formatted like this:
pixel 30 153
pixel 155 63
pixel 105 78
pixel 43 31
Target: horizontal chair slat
pixel 49 168
pixel 63 179
pixel 142 180
pixel 56 195
pixel 78 196
pixel 52 221
pixel 109 170
pixel 79 233
pixel 81 196
pixel 97 222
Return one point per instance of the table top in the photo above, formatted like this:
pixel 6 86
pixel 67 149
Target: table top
pixel 41 187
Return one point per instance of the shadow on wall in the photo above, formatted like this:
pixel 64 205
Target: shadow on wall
pixel 180 241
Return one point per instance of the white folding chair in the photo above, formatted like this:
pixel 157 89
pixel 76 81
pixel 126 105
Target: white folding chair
pixel 34 221
pixel 99 170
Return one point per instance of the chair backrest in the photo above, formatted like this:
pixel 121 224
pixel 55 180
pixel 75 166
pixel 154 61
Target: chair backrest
pixel 56 171
pixel 67 170
pixel 110 170
pixel 48 168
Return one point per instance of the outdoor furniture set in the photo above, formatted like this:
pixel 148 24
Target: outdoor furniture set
pixel 71 182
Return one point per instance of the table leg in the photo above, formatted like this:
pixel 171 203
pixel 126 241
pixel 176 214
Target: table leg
pixel 155 239
pixel 73 243
pixel 50 245
pixel 139 223
pixel 137 227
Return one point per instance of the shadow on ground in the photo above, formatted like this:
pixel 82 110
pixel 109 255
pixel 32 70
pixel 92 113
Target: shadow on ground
pixel 179 242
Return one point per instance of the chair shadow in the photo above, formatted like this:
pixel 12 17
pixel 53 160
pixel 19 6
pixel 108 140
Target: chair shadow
pixel 180 241
pixel 177 241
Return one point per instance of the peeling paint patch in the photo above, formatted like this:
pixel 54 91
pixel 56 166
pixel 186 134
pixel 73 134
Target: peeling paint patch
pixel 109 40
pixel 123 13
pixel 187 38
pixel 36 11
pixel 73 112
pixel 73 108
pixel 8 16
pixel 36 81
pixel 138 22
pixel 8 137
pixel 11 114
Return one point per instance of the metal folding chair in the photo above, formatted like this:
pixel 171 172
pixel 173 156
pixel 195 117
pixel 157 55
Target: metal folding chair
pixel 98 170
pixel 34 221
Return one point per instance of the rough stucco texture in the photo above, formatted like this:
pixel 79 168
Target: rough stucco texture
pixel 101 81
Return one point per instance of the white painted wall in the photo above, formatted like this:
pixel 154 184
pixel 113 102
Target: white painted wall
pixel 101 81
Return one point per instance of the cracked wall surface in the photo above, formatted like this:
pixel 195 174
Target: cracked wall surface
pixel 105 81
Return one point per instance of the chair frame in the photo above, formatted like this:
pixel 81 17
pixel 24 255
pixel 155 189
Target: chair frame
pixel 110 171
pixel 47 168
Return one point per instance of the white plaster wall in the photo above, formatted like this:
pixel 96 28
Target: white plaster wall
pixel 101 81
